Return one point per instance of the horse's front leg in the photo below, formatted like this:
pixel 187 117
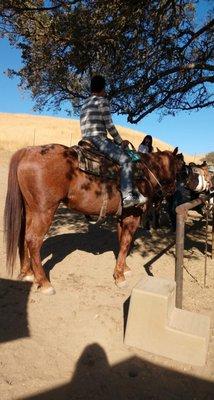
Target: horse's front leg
pixel 126 231
pixel 127 270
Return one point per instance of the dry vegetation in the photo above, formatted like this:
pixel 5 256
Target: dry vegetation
pixel 20 130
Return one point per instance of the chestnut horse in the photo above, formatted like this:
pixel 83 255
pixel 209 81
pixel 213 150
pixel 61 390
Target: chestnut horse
pixel 41 177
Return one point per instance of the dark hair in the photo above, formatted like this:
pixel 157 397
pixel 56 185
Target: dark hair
pixel 97 83
pixel 149 138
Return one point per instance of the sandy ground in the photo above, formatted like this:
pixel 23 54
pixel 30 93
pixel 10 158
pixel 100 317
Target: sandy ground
pixel 70 345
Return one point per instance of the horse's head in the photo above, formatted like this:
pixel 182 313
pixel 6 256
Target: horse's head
pixel 199 178
pixel 174 162
pixel 170 166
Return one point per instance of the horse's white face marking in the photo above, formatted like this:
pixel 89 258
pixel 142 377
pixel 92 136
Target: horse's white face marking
pixel 204 179
pixel 202 184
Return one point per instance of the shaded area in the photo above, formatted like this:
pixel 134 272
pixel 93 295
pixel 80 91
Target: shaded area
pixel 64 216
pixel 132 379
pixel 97 239
pixel 13 309
pixel 194 238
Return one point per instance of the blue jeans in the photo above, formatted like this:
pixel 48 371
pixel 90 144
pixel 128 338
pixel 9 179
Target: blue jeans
pixel 117 154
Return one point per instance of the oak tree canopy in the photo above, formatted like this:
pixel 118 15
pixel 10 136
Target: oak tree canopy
pixel 155 55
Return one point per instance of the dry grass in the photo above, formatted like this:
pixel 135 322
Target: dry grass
pixel 21 130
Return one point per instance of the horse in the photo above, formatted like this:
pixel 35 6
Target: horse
pixel 40 177
pixel 195 180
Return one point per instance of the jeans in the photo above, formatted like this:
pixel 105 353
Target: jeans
pixel 117 154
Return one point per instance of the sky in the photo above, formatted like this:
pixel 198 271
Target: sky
pixel 192 132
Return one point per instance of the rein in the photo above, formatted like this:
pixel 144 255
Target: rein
pixel 156 179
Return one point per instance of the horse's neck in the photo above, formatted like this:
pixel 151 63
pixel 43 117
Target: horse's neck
pixel 154 162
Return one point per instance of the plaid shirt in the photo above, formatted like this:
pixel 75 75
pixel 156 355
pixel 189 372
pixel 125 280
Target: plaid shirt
pixel 95 119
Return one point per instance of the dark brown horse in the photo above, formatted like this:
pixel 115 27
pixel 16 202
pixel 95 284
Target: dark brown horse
pixel 43 176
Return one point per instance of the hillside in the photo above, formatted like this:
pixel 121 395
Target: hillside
pixel 21 130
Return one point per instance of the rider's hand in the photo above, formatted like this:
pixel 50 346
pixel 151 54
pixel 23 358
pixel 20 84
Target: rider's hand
pixel 125 144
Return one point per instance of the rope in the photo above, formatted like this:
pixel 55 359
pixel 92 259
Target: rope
pixel 103 208
pixel 156 179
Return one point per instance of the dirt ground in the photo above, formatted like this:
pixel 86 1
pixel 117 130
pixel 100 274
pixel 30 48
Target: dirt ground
pixel 70 345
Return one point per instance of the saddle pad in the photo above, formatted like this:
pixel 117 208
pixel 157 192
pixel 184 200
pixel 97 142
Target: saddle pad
pixel 97 164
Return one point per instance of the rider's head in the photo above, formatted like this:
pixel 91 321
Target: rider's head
pixel 98 85
pixel 147 140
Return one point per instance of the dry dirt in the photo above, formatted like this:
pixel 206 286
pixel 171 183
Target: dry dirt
pixel 70 345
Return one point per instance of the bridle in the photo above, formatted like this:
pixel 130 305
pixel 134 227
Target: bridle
pixel 153 175
pixel 162 193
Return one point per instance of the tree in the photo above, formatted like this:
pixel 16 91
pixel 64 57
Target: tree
pixel 209 158
pixel 153 53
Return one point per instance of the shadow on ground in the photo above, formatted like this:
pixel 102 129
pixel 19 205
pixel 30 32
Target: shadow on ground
pixel 131 379
pixel 13 309
pixel 100 239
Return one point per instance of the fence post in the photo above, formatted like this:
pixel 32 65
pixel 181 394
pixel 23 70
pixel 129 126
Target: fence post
pixel 212 249
pixel 180 224
pixel 181 216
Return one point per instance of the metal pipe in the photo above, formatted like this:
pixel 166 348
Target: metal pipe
pixel 182 213
pixel 212 249
pixel 206 243
pixel 179 259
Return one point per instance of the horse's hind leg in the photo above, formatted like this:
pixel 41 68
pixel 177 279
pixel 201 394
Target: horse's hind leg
pixel 35 232
pixel 26 271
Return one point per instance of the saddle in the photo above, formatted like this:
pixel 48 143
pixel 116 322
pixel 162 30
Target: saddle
pixel 93 162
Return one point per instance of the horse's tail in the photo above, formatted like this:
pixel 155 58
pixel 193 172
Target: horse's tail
pixel 14 214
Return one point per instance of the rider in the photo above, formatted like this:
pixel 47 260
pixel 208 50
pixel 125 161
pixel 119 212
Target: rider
pixel 146 145
pixel 95 121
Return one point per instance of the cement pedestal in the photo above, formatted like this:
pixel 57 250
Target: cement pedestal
pixel 155 325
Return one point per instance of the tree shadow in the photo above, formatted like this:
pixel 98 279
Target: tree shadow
pixel 71 220
pixel 131 379
pixel 194 239
pixel 13 309
pixel 97 239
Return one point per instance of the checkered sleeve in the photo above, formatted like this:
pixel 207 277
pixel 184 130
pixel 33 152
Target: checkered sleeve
pixel 106 114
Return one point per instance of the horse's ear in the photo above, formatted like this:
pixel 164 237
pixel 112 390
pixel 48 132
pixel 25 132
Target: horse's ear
pixel 158 150
pixel 204 164
pixel 175 151
pixel 180 156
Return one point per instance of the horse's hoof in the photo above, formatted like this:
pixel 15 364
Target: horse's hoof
pixel 121 284
pixel 47 290
pixel 128 273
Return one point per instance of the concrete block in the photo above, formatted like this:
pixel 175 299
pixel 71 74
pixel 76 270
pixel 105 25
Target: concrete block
pixel 154 323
